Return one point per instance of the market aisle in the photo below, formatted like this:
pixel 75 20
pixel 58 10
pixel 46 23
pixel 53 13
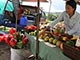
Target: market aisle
pixel 5 52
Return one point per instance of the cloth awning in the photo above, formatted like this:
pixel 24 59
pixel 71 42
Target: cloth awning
pixel 9 6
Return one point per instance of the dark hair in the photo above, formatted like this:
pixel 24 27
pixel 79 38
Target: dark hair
pixel 72 3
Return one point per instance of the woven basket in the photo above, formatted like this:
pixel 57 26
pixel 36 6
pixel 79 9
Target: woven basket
pixel 71 52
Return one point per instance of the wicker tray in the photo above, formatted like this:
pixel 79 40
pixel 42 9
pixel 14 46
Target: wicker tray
pixel 71 52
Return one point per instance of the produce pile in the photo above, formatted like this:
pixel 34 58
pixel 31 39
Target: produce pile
pixel 57 36
pixel 30 28
pixel 58 39
pixel 14 39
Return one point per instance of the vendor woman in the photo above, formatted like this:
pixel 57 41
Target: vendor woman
pixel 71 19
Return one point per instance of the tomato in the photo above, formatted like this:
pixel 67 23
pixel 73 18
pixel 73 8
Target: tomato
pixel 25 40
pixel 13 42
pixel 12 30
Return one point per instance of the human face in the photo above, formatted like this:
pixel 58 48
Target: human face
pixel 69 10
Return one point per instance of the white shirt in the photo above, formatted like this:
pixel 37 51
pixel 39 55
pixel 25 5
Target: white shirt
pixel 72 25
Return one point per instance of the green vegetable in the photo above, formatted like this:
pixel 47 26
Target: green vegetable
pixel 71 43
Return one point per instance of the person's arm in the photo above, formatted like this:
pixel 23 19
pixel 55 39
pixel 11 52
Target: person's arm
pixel 74 29
pixel 60 18
pixel 50 26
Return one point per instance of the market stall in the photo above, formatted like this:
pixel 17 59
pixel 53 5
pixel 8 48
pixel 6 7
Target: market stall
pixel 46 52
pixel 41 48
pixel 53 45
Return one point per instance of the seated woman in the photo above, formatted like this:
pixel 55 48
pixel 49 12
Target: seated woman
pixel 20 11
pixel 9 16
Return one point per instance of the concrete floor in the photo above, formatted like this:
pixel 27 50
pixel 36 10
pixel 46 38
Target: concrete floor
pixel 5 52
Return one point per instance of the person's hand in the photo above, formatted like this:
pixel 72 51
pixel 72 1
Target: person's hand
pixel 69 36
pixel 47 28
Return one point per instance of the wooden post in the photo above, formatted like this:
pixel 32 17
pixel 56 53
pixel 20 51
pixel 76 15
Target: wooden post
pixel 49 8
pixel 38 19
pixel 5 6
pixel 15 5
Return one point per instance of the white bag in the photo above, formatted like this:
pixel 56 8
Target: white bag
pixel 78 42
pixel 17 54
